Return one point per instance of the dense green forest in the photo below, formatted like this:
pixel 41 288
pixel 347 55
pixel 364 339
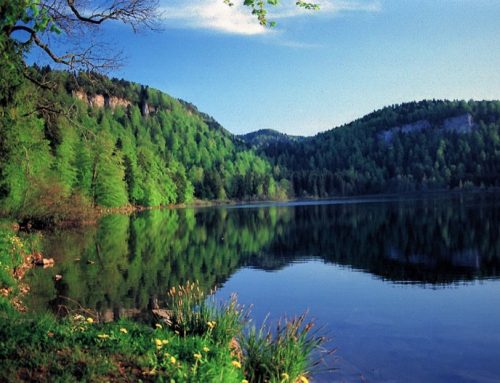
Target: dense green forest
pixel 265 137
pixel 409 147
pixel 91 140
pixel 70 142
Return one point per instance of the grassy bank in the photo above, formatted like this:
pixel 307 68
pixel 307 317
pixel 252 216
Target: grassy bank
pixel 195 340
pixel 15 260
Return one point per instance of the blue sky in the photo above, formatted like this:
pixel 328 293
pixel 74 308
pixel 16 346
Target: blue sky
pixel 317 70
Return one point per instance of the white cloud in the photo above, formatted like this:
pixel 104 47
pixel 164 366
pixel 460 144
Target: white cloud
pixel 215 15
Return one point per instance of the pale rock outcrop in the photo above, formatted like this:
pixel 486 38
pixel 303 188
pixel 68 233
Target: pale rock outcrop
pixel 101 100
pixel 460 124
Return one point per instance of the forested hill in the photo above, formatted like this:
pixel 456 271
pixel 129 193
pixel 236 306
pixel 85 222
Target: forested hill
pixel 264 137
pixel 74 141
pixel 94 141
pixel 409 147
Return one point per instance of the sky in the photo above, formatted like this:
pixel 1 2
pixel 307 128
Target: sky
pixel 315 70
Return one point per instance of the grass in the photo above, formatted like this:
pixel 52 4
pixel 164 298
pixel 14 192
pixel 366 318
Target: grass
pixel 283 354
pixel 201 341
pixel 47 349
pixel 14 261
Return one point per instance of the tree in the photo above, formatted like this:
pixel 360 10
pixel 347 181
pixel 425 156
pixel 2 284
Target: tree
pixel 47 24
pixel 36 22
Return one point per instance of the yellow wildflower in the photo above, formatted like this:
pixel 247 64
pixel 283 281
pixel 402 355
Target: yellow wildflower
pixel 103 336
pixel 303 379
pixel 158 325
pixel 236 364
pixel 173 360
pixel 285 376
pixel 197 355
pixel 244 381
pixel 158 342
pixel 164 341
pixel 78 317
pixel 123 330
pixel 211 324
pixel 206 349
pixel 90 320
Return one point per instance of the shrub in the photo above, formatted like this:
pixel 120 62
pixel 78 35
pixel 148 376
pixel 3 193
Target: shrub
pixel 281 355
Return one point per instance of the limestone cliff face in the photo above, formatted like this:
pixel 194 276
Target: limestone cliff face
pixel 460 124
pixel 101 100
pixel 147 109
pixel 116 101
pixel 418 126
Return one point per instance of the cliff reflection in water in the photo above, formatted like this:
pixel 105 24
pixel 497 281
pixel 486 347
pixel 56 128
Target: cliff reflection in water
pixel 127 262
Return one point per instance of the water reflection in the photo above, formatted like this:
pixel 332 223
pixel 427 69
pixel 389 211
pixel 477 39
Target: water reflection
pixel 127 263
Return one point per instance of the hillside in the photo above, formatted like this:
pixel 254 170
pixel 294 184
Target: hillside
pixel 90 141
pixel 265 137
pixel 95 141
pixel 409 147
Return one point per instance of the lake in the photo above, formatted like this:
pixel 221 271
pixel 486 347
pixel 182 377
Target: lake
pixel 407 289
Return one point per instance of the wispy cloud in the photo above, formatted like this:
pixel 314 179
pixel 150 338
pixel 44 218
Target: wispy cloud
pixel 215 15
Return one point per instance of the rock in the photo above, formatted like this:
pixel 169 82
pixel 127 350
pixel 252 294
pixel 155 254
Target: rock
pixel 459 124
pixel 40 261
pixel 37 258
pixel 162 315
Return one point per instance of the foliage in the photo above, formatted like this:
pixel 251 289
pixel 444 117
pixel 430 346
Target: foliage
pixel 10 255
pixel 280 355
pixel 192 313
pixel 78 348
pixel 138 146
pixel 14 262
pixel 401 148
pixel 46 349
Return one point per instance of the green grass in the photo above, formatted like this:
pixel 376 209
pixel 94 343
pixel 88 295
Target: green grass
pixel 281 354
pixel 10 255
pixel 47 349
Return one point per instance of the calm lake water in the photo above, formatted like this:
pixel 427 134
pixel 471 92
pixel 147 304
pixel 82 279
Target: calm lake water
pixel 408 290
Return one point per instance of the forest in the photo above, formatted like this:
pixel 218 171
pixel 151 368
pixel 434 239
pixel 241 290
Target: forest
pixel 416 146
pixel 85 141
pixel 94 141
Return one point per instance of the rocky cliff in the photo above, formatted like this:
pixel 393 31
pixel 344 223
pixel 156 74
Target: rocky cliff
pixel 101 100
pixel 460 124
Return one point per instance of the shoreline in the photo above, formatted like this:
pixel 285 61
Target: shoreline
pixel 295 201
pixel 91 215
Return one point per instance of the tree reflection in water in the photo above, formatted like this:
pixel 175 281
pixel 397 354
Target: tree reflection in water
pixel 127 263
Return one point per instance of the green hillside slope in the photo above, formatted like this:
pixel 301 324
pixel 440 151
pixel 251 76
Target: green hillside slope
pixel 409 147
pixel 97 141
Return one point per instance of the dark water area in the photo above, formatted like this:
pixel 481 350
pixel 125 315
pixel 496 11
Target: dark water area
pixel 407 289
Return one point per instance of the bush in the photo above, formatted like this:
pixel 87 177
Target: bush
pixel 47 205
pixel 282 355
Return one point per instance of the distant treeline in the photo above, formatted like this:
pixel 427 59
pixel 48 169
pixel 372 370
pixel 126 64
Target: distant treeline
pixel 409 147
